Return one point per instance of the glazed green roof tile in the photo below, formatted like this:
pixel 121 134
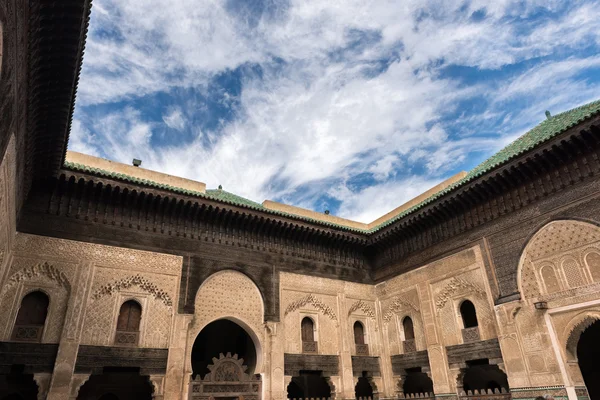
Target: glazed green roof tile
pixel 543 132
pixel 223 195
pixel 213 194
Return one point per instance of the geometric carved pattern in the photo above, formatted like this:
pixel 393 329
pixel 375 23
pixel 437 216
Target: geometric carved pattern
pixel 560 236
pixel 312 300
pixel 35 271
pixel 576 332
pixel 398 305
pixel 227 378
pixel 364 307
pixel 452 286
pixel 134 280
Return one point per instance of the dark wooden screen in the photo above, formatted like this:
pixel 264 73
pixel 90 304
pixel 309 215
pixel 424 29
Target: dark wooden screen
pixel 34 309
pixel 409 331
pixel 359 333
pixel 128 324
pixel 308 331
pixel 31 317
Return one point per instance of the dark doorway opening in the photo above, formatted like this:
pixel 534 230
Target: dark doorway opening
pixel 481 375
pixel 222 336
pixel 115 384
pixel 363 388
pixel 309 384
pixel 17 385
pixel 588 354
pixel 417 381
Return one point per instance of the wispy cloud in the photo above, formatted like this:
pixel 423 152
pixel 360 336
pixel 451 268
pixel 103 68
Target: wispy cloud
pixel 351 105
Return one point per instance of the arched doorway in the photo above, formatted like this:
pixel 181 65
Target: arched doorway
pixel 17 385
pixel 588 354
pixel 117 383
pixel 224 359
pixel 416 382
pixel 481 375
pixel 363 388
pixel 309 385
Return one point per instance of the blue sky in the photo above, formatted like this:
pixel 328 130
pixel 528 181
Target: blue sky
pixel 355 106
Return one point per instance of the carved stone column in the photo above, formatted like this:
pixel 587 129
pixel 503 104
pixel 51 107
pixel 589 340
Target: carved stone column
pixel 43 382
pixel 177 379
pixel 158 383
pixel 77 381
pixel 387 387
pixel 438 360
pixel 346 344
pixel 278 383
pixel 68 347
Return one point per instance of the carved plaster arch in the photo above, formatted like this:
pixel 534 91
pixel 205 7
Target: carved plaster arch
pixel 223 296
pixel 452 287
pixel 575 329
pixel 43 269
pixel 315 302
pixel 546 241
pixel 133 280
pixel 398 305
pixel 364 307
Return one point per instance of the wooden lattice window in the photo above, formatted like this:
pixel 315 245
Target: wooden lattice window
pixel 307 328
pixel 128 324
pixel 31 317
pixel 362 349
pixel 409 344
pixel 359 333
pixel 409 330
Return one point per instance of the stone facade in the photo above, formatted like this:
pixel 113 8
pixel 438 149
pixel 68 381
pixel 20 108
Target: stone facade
pixel 387 307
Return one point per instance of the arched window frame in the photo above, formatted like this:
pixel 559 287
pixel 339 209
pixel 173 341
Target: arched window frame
pixel 557 274
pixel 586 265
pixel 360 349
pixel 315 321
pixel 364 329
pixel 403 337
pixel 24 294
pixel 581 268
pixel 460 314
pixel 143 302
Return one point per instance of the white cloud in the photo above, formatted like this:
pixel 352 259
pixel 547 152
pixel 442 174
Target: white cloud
pixel 315 117
pixel 174 119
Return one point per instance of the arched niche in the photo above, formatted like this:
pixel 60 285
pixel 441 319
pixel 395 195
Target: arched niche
pixel 229 295
pixel 556 243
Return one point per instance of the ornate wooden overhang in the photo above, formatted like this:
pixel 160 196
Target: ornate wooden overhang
pixel 100 200
pixel 57 31
pixel 561 162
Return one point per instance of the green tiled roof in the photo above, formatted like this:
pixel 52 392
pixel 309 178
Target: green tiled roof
pixel 220 194
pixel 546 130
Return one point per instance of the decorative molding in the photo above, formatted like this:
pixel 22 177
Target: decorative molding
pixel 398 305
pixel 452 286
pixel 576 331
pixel 312 300
pixel 133 280
pixel 364 307
pixel 35 271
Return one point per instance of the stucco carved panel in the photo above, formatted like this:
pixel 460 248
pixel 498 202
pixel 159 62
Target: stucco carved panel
pixel 52 279
pixel 231 295
pixel 562 256
pixel 111 287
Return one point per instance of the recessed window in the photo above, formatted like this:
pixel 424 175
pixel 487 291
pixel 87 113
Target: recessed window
pixel 31 318
pixel 128 324
pixel 469 316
